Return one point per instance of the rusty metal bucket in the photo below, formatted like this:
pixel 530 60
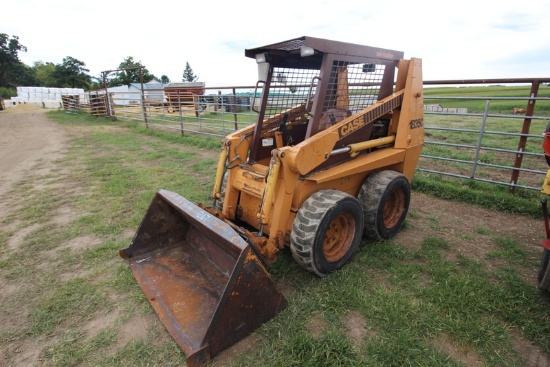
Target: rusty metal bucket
pixel 204 281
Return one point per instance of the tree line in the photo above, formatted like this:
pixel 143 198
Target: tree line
pixel 70 73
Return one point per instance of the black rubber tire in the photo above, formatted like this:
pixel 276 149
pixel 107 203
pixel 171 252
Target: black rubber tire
pixel 544 271
pixel 385 197
pixel 326 232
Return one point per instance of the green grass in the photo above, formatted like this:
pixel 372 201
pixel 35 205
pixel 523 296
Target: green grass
pixel 406 305
pixel 480 194
pixel 68 304
pixel 496 106
pixel 490 141
pixel 409 305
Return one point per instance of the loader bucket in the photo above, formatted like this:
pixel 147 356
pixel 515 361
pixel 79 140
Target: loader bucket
pixel 203 280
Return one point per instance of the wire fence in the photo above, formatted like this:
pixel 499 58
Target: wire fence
pixel 488 139
pixel 214 114
pixel 498 148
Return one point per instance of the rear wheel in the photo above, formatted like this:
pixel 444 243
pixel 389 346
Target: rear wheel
pixel 385 198
pixel 326 232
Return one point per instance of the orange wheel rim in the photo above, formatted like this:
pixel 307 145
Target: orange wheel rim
pixel 393 209
pixel 339 237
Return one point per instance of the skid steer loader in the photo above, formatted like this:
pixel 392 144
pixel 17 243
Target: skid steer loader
pixel 338 136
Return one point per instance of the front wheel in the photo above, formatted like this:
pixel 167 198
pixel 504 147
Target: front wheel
pixel 385 197
pixel 326 232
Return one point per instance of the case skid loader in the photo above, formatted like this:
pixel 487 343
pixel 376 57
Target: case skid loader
pixel 338 136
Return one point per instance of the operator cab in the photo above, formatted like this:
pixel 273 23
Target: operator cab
pixel 308 84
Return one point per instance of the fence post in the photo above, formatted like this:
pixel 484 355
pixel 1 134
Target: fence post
pixel 523 139
pixel 196 104
pixel 110 106
pixel 481 132
pixel 143 107
pixel 235 118
pixel 108 101
pixel 181 115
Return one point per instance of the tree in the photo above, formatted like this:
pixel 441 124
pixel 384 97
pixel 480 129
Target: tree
pixel 24 75
pixel 188 75
pixel 131 73
pixel 71 73
pixel 97 82
pixel 44 73
pixel 164 79
pixel 9 59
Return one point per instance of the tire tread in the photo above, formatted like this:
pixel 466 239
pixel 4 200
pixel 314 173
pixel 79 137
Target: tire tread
pixel 306 224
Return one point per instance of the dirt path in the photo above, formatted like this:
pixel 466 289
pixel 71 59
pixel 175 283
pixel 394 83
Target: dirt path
pixel 28 141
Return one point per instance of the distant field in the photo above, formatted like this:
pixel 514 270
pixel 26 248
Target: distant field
pixel 496 106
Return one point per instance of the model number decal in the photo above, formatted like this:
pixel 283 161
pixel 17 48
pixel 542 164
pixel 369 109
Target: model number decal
pixel 415 124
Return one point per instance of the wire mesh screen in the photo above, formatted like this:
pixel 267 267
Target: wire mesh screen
pixel 290 88
pixel 353 87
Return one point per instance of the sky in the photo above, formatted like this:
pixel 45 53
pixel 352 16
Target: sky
pixel 467 39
